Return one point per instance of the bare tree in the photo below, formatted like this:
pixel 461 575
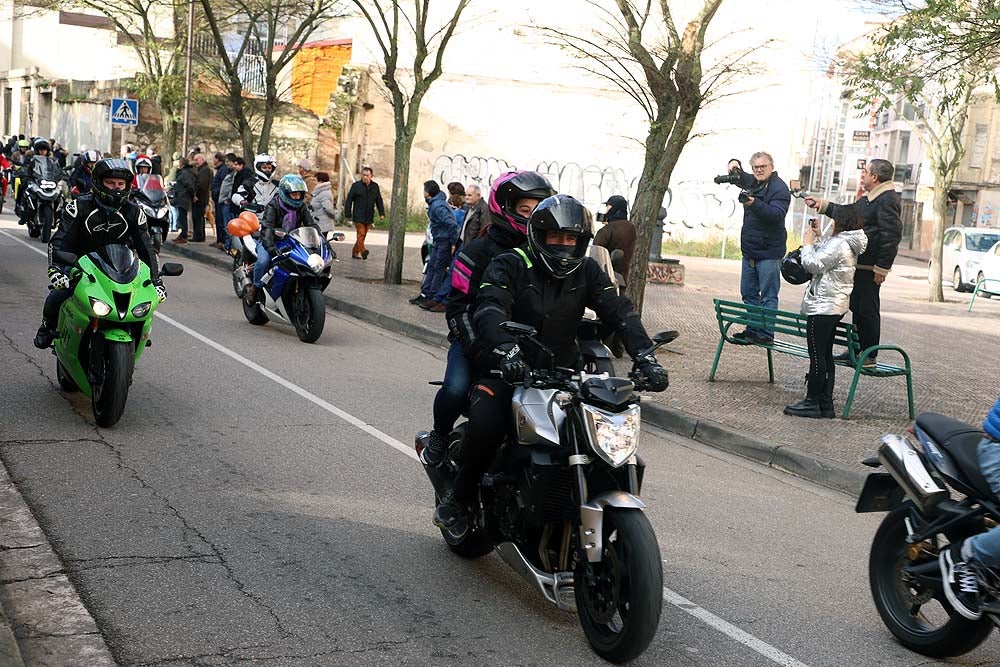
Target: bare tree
pixel 401 27
pixel 141 24
pixel 934 57
pixel 642 53
pixel 258 38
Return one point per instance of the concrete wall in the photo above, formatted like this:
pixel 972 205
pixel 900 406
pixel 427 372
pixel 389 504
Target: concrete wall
pixel 82 123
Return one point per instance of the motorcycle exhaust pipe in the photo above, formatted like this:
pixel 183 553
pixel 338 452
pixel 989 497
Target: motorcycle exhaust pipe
pixel 906 466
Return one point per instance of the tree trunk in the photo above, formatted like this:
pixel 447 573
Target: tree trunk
pixel 397 213
pixel 653 183
pixel 169 126
pixel 942 183
pixel 270 111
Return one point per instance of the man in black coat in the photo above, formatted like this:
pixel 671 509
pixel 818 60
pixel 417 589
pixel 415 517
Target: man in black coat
pixel 359 207
pixel 880 209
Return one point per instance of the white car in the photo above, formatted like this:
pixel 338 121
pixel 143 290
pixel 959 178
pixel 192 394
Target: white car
pixel 989 268
pixel 963 253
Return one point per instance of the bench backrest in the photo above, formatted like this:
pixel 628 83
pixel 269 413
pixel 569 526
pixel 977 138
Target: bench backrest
pixel 784 322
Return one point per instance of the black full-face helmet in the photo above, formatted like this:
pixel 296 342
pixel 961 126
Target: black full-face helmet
pixel 41 145
pixel 507 189
pixel 565 214
pixel 111 168
pixel 792 270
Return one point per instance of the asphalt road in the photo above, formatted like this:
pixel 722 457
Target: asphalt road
pixel 229 518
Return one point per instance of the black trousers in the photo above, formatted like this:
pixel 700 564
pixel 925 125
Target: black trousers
pixel 865 306
pixel 489 423
pixel 50 311
pixel 819 336
pixel 198 221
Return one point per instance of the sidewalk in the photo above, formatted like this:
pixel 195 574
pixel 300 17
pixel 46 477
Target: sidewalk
pixel 951 352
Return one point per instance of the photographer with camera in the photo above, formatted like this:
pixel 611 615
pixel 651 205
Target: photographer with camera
pixel 765 199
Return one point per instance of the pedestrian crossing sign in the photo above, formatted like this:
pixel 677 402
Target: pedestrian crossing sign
pixel 124 112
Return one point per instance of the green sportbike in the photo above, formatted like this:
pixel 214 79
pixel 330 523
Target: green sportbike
pixel 104 326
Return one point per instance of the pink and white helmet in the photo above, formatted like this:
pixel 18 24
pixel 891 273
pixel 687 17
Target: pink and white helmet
pixel 510 187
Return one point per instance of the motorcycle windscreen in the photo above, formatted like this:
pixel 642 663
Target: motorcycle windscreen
pixel 151 186
pixel 46 170
pixel 118 263
pixel 309 237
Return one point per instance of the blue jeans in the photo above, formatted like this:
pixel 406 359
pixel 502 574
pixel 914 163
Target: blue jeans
pixel 759 284
pixel 986 546
pixel 444 291
pixel 453 394
pixel 437 264
pixel 260 268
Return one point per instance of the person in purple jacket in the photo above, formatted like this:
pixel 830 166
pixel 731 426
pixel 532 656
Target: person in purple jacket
pixel 965 564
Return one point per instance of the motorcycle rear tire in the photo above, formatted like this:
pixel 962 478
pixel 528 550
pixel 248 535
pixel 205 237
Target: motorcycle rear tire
pixel 46 220
pixel 630 549
pixel 474 544
pixel 65 381
pixel 957 636
pixel 254 313
pixel 110 396
pixel 308 314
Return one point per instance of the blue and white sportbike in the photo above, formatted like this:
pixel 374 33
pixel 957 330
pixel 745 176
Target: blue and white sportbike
pixel 292 288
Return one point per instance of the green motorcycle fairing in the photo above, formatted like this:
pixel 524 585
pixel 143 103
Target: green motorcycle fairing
pixel 78 320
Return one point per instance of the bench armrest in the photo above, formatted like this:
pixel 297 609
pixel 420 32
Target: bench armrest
pixel 874 349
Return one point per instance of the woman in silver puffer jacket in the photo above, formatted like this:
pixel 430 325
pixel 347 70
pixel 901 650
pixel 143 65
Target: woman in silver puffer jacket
pixel 831 262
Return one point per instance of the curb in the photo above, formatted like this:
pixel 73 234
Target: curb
pixel 788 459
pixel 43 620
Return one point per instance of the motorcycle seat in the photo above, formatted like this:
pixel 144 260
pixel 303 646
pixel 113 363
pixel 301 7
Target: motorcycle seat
pixel 960 441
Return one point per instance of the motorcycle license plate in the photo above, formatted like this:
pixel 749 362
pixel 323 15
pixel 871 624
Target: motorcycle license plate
pixel 880 494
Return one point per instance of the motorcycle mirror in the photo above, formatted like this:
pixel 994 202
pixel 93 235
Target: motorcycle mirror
pixel 172 269
pixel 67 258
pixel 518 329
pixel 665 337
pixel 335 236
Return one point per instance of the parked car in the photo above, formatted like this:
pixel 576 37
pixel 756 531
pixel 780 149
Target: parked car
pixel 989 268
pixel 963 253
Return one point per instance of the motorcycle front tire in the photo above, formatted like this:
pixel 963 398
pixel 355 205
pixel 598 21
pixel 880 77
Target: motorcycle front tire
pixel 631 575
pixel 46 220
pixel 308 314
pixel 109 397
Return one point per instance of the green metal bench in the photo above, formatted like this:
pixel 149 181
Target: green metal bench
pixel 786 324
pixel 980 289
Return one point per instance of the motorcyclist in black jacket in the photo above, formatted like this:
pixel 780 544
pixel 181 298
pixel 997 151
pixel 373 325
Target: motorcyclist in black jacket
pixel 546 285
pixel 90 222
pixel 513 196
pixel 81 177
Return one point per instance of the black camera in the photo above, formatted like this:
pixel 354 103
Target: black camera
pixel 744 196
pixel 733 178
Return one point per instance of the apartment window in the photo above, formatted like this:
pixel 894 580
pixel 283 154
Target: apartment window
pixel 977 157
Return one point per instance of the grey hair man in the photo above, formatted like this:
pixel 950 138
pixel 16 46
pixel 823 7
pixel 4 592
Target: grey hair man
pixel 477 215
pixel 762 238
pixel 880 209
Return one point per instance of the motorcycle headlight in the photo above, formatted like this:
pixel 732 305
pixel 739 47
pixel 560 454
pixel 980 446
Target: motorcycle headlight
pixel 613 436
pixel 162 212
pixel 316 263
pixel 141 310
pixel 100 308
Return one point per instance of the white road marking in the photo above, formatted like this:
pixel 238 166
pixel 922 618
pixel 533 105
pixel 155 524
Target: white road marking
pixel 674 598
pixel 730 630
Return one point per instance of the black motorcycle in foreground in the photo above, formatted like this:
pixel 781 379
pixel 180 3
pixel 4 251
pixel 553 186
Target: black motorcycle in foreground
pixel 561 502
pixel 923 518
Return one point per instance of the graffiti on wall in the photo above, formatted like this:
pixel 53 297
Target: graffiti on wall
pixel 690 204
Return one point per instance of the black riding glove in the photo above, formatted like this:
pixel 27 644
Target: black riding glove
pixel 654 376
pixel 511 362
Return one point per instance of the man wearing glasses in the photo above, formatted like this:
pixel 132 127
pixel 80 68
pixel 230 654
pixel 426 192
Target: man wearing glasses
pixel 765 199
